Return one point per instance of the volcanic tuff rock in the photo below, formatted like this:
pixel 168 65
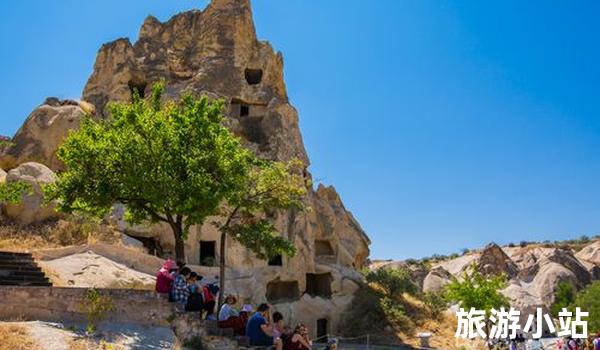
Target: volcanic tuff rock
pixel 32 207
pixel 216 52
pixel 534 271
pixel 43 131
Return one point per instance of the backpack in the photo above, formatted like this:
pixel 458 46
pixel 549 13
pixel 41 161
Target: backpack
pixel 194 302
pixel 208 296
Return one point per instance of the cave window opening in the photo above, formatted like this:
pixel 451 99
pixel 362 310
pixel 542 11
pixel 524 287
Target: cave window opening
pixel 319 285
pixel 244 110
pixel 253 76
pixel 277 260
pixel 282 291
pixel 208 253
pixel 140 87
pixel 323 248
pixel 322 330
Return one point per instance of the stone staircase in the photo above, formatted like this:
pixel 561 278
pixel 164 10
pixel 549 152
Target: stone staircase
pixel 19 269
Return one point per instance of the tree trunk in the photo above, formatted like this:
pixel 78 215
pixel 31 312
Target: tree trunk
pixel 222 270
pixel 179 244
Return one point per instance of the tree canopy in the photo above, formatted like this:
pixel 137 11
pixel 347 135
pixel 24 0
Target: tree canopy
pixel 173 162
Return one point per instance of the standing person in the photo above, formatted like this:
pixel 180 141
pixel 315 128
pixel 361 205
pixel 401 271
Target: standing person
pixel 165 277
pixel 180 291
pixel 209 293
pixel 260 328
pixel 300 340
pixel 227 310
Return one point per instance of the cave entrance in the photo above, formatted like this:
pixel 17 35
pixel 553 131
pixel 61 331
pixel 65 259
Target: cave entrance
pixel 151 244
pixel 137 86
pixel 323 248
pixel 322 331
pixel 282 291
pixel 319 284
pixel 253 76
pixel 277 260
pixel 208 253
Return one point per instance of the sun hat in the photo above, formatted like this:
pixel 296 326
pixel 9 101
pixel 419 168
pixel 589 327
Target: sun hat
pixel 247 308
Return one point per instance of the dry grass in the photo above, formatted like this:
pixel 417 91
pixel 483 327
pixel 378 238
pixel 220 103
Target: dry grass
pixel 16 337
pixel 53 234
pixel 131 284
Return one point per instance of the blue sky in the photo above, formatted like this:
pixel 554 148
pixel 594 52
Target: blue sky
pixel 443 124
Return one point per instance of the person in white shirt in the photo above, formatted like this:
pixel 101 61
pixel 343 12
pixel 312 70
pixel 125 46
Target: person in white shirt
pixel 227 310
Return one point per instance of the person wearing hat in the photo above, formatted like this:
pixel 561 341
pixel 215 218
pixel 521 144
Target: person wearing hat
pixel 227 310
pixel 165 277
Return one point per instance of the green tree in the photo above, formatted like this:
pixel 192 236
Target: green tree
pixel 564 296
pixel 393 281
pixel 12 192
pixel 588 300
pixel 478 291
pixel 173 162
pixel 270 187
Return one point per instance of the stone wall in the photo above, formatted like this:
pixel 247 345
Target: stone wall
pixel 65 305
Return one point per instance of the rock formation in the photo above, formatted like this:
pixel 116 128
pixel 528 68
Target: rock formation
pixel 32 208
pixel 216 52
pixel 534 272
pixel 43 131
pixel 2 175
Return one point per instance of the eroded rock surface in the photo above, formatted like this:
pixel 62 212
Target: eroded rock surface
pixel 42 133
pixel 32 208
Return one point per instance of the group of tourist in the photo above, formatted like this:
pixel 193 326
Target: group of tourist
pixel 570 343
pixel 262 327
pixel 184 288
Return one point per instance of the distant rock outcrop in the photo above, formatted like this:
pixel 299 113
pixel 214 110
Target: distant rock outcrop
pixel 435 281
pixel 494 261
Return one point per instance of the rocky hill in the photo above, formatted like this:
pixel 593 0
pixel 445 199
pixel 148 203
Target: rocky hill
pixel 212 52
pixel 534 270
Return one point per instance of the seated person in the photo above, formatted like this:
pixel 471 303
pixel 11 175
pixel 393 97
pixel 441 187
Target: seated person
pixel 238 323
pixel 180 291
pixel 195 300
pixel 260 328
pixel 227 310
pixel 299 340
pixel 165 277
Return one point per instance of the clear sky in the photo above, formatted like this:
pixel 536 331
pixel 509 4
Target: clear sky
pixel 443 124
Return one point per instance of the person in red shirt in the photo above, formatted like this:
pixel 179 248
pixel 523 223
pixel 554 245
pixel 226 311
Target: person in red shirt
pixel 165 277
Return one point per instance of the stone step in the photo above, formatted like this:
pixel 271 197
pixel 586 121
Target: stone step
pixel 20 267
pixel 15 272
pixel 14 254
pixel 20 278
pixel 24 284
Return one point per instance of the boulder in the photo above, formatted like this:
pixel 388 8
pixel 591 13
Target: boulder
pixel 435 281
pixel 590 253
pixel 32 208
pixel 42 133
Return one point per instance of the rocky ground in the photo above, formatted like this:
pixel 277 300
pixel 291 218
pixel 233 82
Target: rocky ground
pixel 93 270
pixel 55 336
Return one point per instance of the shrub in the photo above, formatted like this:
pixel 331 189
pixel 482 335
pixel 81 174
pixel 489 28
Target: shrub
pixel 436 304
pixel 393 281
pixel 563 297
pixel 95 307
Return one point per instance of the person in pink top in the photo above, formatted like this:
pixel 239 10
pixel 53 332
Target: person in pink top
pixel 165 277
